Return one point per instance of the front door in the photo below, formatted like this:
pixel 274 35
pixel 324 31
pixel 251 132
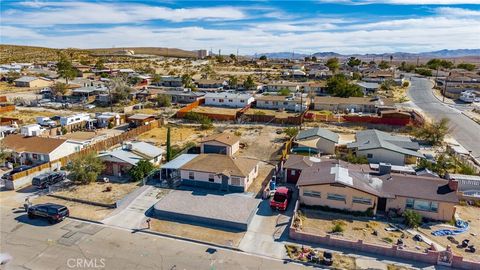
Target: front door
pixel 382 204
pixel 224 186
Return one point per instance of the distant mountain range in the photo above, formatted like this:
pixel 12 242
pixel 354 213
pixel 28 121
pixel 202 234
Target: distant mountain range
pixel 396 55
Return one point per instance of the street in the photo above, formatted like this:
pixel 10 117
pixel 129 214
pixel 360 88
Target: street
pixel 71 244
pixel 464 130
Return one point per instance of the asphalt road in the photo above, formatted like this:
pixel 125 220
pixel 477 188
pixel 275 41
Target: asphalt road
pixel 71 244
pixel 464 130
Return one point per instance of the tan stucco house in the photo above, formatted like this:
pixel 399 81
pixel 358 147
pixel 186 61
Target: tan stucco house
pixel 28 81
pixel 340 185
pixel 221 143
pixel 320 140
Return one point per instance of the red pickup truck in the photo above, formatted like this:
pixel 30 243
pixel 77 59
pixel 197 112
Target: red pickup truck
pixel 281 198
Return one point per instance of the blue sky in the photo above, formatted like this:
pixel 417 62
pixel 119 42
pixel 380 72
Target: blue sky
pixel 345 26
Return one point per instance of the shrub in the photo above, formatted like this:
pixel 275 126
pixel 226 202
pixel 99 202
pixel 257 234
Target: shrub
pixel 412 218
pixel 64 130
pixel 237 133
pixel 405 84
pixel 387 239
pixel 110 125
pixel 338 228
pixel 291 132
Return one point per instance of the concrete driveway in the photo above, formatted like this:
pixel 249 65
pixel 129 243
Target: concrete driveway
pixel 268 231
pixel 131 215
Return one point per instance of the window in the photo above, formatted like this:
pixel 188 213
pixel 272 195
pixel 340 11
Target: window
pixel 311 193
pixel 211 178
pixel 292 172
pixel 369 155
pixel 422 205
pixel 191 175
pixel 285 103
pixel 361 200
pixel 220 100
pixel 236 181
pixel 230 100
pixel 336 197
pixel 242 101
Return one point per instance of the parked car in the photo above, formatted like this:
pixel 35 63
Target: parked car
pixel 52 212
pixel 47 179
pixel 15 170
pixel 281 198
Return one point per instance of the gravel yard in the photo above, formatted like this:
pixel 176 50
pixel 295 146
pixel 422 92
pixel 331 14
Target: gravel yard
pixel 97 192
pixel 321 223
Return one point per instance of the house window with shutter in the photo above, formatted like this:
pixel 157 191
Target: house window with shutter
pixel 236 181
pixel 191 175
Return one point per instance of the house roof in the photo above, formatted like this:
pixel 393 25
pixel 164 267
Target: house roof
pixel 29 79
pixel 318 132
pixel 373 139
pixel 387 186
pixel 368 85
pixel 140 116
pixel 355 100
pixel 224 138
pixel 300 162
pixel 202 81
pixel 217 164
pixel 34 144
pixel 279 98
pixel 228 95
pixel 138 151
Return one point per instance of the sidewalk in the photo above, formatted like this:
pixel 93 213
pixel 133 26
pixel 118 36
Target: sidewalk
pixel 133 216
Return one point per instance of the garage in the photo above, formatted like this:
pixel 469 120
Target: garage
pixel 214 149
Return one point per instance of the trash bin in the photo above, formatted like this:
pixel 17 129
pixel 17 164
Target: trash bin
pixel 273 185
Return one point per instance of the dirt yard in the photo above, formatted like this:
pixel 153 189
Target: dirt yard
pixel 79 210
pixel 97 192
pixel 470 214
pixel 180 135
pixel 221 237
pixel 321 223
pixel 277 114
pixel 29 116
pixel 216 110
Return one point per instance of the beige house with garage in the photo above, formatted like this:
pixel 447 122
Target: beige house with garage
pixel 221 143
pixel 340 185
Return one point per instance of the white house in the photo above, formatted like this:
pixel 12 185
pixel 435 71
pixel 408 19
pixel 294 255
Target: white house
pixel 287 103
pixel 220 172
pixel 37 149
pixel 226 99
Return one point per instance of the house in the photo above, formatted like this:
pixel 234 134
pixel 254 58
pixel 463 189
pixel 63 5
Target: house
pixel 227 99
pixel 89 91
pixel 352 104
pixel 368 87
pixel 219 172
pixel 294 165
pixel 468 186
pixel 339 185
pixel 82 139
pixel 221 143
pixel 171 81
pixel 319 88
pixel 36 150
pixel 319 140
pixel 137 120
pixel 119 161
pixel 287 103
pixel 211 84
pixel 378 146
pixel 277 86
pixel 170 171
pixel 28 81
pixel 105 118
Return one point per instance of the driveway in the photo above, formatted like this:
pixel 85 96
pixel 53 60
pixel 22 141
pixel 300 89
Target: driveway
pixel 131 215
pixel 268 231
pixel 464 129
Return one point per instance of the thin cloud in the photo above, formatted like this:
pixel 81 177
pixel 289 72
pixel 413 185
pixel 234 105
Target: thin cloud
pixel 401 2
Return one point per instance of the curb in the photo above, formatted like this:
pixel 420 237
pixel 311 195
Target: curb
pixel 85 220
pixel 187 239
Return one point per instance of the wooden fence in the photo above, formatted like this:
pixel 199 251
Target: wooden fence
pixel 97 147
pixel 7 108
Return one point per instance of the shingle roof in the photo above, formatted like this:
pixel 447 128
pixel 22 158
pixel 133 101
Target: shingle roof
pixel 34 144
pixel 387 186
pixel 373 139
pixel 299 162
pixel 225 138
pixel 320 132
pixel 216 163
pixel 28 79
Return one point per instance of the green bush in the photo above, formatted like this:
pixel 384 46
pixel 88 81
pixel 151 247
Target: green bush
pixel 338 228
pixel 412 218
